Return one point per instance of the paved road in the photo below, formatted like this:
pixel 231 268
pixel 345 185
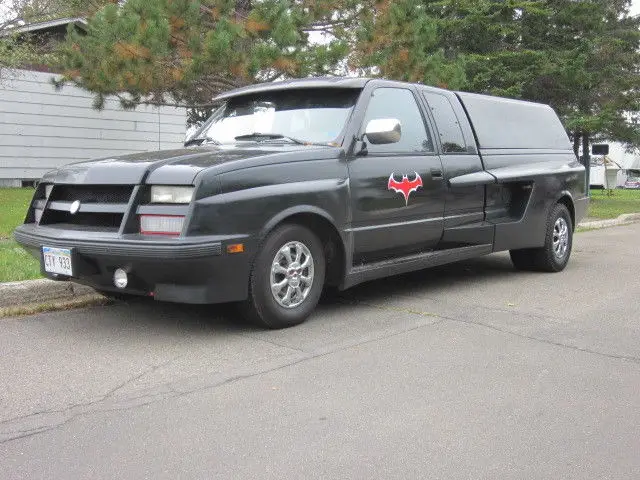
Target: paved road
pixel 470 371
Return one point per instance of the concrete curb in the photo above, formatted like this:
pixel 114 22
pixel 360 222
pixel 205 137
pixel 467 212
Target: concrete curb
pixel 624 219
pixel 14 294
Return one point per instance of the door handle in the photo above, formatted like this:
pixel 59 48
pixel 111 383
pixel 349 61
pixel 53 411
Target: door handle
pixel 436 174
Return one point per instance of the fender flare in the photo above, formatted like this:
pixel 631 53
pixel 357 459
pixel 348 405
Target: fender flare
pixel 281 217
pixel 289 212
pixel 572 208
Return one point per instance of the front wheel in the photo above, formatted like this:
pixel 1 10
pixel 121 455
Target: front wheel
pixel 286 279
pixel 554 255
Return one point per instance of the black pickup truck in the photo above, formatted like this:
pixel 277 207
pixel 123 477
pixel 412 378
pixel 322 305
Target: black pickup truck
pixel 295 185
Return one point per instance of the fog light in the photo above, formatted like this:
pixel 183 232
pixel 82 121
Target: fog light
pixel 120 279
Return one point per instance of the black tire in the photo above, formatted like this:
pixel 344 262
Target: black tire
pixel 545 259
pixel 261 307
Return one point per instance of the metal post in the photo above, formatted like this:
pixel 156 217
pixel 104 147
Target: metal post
pixel 586 160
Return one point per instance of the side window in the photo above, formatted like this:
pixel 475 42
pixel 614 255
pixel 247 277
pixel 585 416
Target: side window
pixel 400 104
pixel 446 122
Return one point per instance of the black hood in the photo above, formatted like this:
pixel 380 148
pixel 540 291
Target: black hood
pixel 175 167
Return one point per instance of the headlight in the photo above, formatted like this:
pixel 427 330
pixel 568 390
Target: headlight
pixel 167 194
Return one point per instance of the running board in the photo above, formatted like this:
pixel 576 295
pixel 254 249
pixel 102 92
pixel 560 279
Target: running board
pixel 396 266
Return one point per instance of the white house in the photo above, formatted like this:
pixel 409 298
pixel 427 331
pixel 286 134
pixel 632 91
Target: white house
pixel 41 128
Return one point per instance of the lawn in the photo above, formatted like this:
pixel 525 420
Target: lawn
pixel 611 206
pixel 13 205
pixel 15 263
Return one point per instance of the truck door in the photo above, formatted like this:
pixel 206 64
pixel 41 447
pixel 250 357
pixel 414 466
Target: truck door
pixel 397 195
pixel 464 205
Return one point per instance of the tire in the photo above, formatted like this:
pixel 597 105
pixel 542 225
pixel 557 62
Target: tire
pixel 292 303
pixel 554 255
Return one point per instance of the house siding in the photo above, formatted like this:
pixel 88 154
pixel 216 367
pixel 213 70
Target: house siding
pixel 41 128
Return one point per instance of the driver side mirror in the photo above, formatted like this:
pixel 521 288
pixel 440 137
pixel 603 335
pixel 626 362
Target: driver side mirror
pixel 383 130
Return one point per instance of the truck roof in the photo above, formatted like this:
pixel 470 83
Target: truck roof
pixel 499 123
pixel 316 82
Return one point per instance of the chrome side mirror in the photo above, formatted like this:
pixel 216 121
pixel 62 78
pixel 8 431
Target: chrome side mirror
pixel 383 130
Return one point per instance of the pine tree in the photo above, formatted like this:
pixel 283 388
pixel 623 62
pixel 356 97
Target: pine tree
pixel 187 51
pixel 402 40
pixel 580 56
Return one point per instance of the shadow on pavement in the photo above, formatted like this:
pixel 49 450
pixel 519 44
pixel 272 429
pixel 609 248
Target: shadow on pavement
pixel 141 313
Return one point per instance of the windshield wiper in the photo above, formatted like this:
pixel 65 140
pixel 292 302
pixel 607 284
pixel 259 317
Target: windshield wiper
pixel 265 137
pixel 201 141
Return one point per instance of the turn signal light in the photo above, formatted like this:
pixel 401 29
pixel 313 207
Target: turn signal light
pixel 161 224
pixel 235 248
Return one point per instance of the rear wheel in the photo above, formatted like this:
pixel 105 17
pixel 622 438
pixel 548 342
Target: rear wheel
pixel 554 255
pixel 286 279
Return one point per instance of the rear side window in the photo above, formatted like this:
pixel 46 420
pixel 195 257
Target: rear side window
pixel 447 123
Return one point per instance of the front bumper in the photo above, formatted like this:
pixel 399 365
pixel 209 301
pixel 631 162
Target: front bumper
pixel 185 270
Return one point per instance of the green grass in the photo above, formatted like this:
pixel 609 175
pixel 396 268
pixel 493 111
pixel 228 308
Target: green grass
pixel 15 263
pixel 611 206
pixel 14 203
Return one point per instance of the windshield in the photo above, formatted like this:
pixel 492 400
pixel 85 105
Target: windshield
pixel 305 115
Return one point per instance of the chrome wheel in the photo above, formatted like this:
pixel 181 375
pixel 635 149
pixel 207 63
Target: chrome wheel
pixel 560 238
pixel 292 274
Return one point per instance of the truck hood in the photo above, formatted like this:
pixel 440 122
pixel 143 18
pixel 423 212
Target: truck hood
pixel 174 167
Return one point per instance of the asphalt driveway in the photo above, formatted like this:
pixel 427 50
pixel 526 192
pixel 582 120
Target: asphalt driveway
pixel 467 371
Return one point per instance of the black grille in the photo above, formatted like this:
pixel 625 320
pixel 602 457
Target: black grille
pixel 85 221
pixel 59 215
pixel 92 193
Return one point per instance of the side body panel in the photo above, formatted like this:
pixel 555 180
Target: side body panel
pixel 528 184
pixel 464 217
pixel 384 223
pixel 246 200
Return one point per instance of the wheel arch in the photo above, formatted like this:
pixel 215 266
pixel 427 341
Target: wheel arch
pixel 565 198
pixel 322 225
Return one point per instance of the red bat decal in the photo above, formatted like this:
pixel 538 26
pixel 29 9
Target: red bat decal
pixel 406 186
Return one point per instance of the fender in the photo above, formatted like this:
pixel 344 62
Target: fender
pixel 564 193
pixel 296 210
pixel 572 206
pixel 339 268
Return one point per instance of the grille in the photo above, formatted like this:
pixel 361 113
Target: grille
pixel 107 199
pixel 102 220
pixel 92 193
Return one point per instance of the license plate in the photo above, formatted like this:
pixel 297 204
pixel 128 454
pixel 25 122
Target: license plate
pixel 57 260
